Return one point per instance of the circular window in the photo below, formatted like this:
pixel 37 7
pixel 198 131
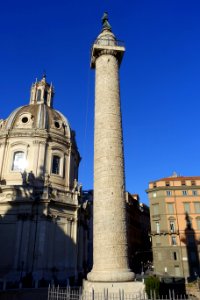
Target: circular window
pixel 24 120
pixel 57 124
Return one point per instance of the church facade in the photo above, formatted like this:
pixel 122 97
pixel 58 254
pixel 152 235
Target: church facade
pixel 40 233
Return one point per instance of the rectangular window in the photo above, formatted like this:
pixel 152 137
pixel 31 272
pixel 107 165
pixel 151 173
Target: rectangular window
pixel 64 162
pixel 157 227
pixel 19 161
pixel 173 240
pixel 183 182
pixel 154 185
pixel 184 193
pixel 194 193
pixel 193 182
pixel 167 183
pixel 197 207
pixel 170 208
pixel 172 226
pixel 168 193
pixel 175 255
pixel 198 223
pixel 155 209
pixel 186 207
pixel 56 165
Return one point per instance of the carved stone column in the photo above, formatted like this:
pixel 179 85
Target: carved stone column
pixel 110 269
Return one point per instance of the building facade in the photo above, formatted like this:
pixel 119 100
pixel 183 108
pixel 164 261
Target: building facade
pixel 175 225
pixel 39 193
pixel 138 226
pixel 87 200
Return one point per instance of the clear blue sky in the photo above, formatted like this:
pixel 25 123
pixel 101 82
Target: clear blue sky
pixel 160 76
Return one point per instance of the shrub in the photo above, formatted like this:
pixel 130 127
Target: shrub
pixel 152 286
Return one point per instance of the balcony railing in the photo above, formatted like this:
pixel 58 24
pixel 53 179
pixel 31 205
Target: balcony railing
pixel 109 42
pixel 164 232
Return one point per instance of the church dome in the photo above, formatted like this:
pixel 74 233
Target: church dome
pixel 38 116
pixel 38 140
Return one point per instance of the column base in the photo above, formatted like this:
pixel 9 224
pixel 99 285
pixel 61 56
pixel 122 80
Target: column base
pixel 111 276
pixel 132 288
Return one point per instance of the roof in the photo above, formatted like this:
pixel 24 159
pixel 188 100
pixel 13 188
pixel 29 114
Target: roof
pixel 177 178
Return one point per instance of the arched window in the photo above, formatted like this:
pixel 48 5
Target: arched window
pixel 45 96
pixel 39 95
pixel 19 161
pixel 55 165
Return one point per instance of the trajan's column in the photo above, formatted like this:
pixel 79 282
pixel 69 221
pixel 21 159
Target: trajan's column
pixel 110 268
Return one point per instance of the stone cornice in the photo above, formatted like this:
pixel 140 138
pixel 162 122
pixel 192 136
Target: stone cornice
pixel 106 49
pixel 21 194
pixel 60 140
pixel 71 205
pixel 37 142
pixel 173 188
pixel 35 134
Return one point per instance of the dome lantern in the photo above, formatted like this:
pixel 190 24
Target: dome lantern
pixel 42 92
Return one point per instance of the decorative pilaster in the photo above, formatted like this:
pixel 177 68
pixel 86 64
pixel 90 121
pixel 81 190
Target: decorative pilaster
pixel 39 165
pixel 2 154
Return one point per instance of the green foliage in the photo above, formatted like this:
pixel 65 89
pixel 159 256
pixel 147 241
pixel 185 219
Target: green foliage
pixel 152 286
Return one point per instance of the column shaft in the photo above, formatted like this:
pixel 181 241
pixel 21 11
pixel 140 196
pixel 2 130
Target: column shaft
pixel 110 238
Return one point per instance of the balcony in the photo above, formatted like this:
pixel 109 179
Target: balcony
pixel 164 232
pixel 109 42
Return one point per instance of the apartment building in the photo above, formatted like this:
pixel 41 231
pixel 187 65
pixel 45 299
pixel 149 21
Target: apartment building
pixel 175 225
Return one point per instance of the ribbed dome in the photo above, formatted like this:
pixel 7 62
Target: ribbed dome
pixel 37 116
